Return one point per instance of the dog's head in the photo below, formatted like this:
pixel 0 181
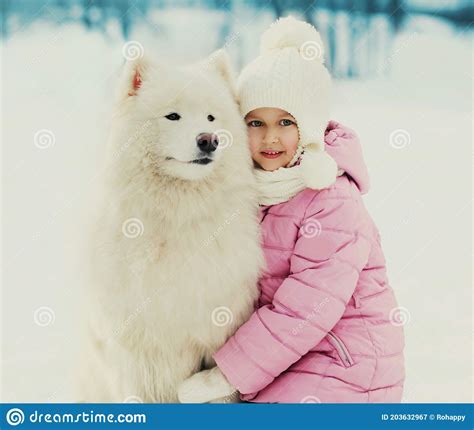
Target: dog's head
pixel 184 118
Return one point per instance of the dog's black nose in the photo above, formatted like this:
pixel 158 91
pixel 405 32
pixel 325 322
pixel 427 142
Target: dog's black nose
pixel 207 142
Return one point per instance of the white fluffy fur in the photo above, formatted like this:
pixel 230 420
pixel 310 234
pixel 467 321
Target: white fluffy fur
pixel 153 296
pixel 290 32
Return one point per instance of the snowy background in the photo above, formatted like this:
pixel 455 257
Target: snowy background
pixel 403 82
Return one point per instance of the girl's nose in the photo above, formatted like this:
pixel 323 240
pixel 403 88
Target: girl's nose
pixel 270 138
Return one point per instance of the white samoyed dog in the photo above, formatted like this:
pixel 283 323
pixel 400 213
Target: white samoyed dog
pixel 176 247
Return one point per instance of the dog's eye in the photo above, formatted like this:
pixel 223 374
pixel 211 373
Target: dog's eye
pixel 210 118
pixel 173 116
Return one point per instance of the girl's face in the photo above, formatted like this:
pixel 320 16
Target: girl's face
pixel 273 137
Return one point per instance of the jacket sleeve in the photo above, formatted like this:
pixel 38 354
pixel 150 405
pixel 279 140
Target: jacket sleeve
pixel 329 254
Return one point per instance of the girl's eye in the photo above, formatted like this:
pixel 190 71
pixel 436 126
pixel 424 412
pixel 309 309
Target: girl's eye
pixel 211 118
pixel 255 123
pixel 286 122
pixel 173 116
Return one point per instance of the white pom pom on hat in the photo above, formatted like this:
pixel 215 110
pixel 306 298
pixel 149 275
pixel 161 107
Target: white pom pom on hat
pixel 289 32
pixel 318 169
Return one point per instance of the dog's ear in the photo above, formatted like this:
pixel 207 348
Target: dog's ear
pixel 136 81
pixel 134 73
pixel 220 61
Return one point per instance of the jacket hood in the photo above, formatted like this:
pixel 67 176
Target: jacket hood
pixel 343 145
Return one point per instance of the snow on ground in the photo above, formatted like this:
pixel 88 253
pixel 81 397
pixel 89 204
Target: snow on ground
pixel 415 126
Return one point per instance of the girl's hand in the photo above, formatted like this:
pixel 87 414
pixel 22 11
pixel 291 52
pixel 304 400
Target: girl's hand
pixel 206 386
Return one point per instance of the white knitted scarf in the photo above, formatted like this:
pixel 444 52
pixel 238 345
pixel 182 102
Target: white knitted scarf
pixel 280 185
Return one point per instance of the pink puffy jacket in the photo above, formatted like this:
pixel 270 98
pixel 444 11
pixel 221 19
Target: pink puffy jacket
pixel 326 327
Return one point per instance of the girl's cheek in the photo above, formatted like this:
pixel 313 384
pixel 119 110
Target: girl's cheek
pixel 291 140
pixel 254 142
pixel 254 151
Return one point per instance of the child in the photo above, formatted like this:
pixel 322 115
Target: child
pixel 325 329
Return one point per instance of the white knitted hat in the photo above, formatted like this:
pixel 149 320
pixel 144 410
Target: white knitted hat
pixel 289 74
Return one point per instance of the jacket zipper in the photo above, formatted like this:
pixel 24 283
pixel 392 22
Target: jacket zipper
pixel 341 350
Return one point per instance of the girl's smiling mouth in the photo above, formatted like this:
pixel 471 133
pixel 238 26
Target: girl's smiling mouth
pixel 271 154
